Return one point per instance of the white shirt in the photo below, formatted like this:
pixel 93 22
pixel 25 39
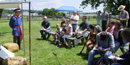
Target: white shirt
pixel 67 29
pixel 76 17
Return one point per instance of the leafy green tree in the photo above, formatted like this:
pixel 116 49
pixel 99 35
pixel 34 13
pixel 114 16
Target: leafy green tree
pixel 111 5
pixel 1 10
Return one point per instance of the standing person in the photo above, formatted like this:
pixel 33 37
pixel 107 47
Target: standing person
pixel 126 57
pixel 104 45
pixel 111 27
pixel 99 18
pixel 15 24
pixel 63 21
pixel 104 19
pixel 123 15
pixel 45 27
pixel 74 18
pixel 85 27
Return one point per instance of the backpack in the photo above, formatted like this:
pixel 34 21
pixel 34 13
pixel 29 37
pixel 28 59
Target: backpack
pixel 98 61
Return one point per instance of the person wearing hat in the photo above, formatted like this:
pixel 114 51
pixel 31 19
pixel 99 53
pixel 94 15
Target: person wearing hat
pixel 45 27
pixel 123 15
pixel 104 19
pixel 15 24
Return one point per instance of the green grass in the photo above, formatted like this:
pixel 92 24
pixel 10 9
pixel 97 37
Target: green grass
pixel 42 50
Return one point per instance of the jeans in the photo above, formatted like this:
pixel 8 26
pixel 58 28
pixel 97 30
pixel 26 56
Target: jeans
pixel 44 34
pixel 92 53
pixel 116 64
pixel 104 25
pixel 98 21
pixel 74 26
pixel 117 45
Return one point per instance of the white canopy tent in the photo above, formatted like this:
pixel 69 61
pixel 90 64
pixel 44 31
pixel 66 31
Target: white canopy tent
pixel 4 4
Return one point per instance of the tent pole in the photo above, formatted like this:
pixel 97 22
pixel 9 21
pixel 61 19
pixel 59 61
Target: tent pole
pixel 23 28
pixel 29 35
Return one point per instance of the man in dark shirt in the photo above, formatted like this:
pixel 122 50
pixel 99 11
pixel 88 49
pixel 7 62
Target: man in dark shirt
pixel 126 57
pixel 45 27
pixel 85 27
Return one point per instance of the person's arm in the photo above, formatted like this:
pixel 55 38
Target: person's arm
pixel 69 30
pixel 49 26
pixel 75 19
pixel 111 42
pixel 11 22
pixel 77 29
pixel 108 18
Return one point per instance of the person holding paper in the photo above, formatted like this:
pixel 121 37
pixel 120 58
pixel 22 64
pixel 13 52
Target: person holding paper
pixel 126 57
pixel 104 45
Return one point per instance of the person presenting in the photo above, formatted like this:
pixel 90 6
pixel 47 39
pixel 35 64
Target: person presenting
pixel 15 24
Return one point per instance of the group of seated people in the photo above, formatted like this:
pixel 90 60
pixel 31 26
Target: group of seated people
pixel 99 42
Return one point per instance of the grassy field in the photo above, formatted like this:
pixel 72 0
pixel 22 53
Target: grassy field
pixel 42 51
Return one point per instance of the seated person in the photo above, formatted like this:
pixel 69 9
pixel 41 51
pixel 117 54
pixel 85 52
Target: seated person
pixel 69 31
pixel 91 42
pixel 104 45
pixel 45 27
pixel 63 21
pixel 119 42
pixel 126 57
pixel 56 36
pixel 111 27
pixel 85 27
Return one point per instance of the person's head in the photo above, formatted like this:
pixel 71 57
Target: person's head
pixel 58 26
pixel 99 12
pixel 111 23
pixel 126 34
pixel 17 11
pixel 64 25
pixel 103 35
pixel 121 8
pixel 84 18
pixel 45 18
pixel 118 25
pixel 98 29
pixel 92 27
pixel 104 10
pixel 75 12
pixel 63 19
pixel 68 21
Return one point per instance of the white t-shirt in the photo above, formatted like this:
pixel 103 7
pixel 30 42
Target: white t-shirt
pixel 76 17
pixel 67 29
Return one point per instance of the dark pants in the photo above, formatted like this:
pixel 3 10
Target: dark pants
pixel 44 33
pixel 17 40
pixel 74 26
pixel 104 25
pixel 124 24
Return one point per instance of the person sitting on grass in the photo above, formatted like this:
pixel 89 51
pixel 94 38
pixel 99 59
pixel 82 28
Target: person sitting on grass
pixel 104 45
pixel 119 42
pixel 125 57
pixel 85 27
pixel 69 31
pixel 56 36
pixel 111 27
pixel 91 42
pixel 45 27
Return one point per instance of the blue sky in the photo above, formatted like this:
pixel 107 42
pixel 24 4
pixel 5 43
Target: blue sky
pixel 41 4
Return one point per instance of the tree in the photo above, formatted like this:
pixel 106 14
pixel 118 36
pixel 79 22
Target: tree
pixel 111 5
pixel 47 11
pixel 1 10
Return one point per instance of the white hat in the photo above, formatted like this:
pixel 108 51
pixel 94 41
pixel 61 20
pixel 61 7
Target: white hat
pixel 121 7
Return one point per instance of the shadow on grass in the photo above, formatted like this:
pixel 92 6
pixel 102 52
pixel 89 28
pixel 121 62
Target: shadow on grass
pixel 83 55
pixel 39 39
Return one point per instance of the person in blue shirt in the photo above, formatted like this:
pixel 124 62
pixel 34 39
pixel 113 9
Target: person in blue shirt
pixel 15 24
pixel 45 27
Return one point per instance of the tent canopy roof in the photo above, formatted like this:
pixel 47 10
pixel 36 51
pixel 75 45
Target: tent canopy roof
pixel 67 9
pixel 10 3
